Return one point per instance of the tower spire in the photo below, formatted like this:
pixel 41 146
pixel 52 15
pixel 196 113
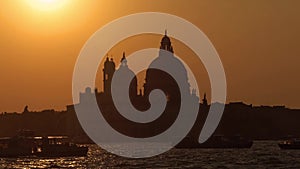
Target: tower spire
pixel 204 100
pixel 124 60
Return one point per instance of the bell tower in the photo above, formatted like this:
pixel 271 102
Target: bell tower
pixel 108 72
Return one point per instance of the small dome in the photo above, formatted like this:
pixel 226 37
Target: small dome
pixel 166 44
pixel 124 70
pixel 124 78
pixel 124 73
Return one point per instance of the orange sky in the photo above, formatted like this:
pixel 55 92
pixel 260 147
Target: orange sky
pixel 257 41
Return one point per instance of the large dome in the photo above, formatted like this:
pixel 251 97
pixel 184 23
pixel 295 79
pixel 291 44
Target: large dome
pixel 167 72
pixel 167 62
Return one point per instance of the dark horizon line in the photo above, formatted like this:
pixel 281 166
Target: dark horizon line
pixel 229 103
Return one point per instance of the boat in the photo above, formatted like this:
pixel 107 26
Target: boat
pixel 17 146
pixel 58 146
pixel 25 144
pixel 221 142
pixel 290 144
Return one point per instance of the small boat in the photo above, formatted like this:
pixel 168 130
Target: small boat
pixel 25 144
pixel 17 146
pixel 217 142
pixel 290 144
pixel 58 146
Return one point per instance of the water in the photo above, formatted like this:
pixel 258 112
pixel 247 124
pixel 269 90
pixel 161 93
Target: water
pixel 263 154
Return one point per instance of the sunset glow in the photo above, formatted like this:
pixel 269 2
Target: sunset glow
pixel 46 5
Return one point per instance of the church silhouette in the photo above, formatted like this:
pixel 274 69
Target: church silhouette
pixel 155 79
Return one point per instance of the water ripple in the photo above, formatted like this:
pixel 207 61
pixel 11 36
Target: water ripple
pixel 263 154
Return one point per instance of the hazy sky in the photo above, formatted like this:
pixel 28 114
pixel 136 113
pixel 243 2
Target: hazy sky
pixel 257 40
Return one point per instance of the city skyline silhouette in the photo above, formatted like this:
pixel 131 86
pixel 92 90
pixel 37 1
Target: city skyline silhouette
pixel 256 43
pixel 237 119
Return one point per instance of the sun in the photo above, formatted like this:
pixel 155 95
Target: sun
pixel 46 5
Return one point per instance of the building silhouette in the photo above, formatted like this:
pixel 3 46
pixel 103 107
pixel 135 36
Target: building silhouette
pixel 255 122
pixel 155 79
